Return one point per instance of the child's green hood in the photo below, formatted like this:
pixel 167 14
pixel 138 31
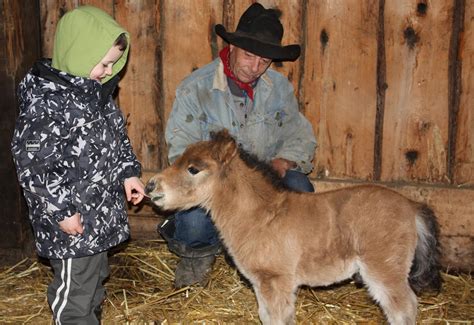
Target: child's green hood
pixel 83 37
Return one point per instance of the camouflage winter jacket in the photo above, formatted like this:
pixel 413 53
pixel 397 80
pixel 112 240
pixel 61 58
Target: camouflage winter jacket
pixel 72 154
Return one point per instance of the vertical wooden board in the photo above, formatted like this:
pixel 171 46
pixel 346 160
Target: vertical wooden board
pixel 415 132
pixel 464 163
pixel 140 88
pixel 231 15
pixel 188 43
pixel 20 49
pixel 239 8
pixel 105 5
pixel 340 85
pixel 12 29
pixel 53 10
pixel 291 19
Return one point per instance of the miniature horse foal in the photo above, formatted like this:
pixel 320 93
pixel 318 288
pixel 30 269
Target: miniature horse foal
pixel 281 239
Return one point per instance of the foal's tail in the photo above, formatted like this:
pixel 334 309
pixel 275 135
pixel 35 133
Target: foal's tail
pixel 425 270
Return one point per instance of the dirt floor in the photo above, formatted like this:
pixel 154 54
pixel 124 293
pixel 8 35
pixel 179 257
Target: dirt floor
pixel 140 291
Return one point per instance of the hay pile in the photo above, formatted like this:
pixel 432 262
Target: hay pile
pixel 140 291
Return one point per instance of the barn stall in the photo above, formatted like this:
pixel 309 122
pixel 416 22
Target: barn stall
pixel 387 86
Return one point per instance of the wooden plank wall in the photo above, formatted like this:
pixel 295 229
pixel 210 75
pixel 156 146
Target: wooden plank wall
pixel 387 86
pixel 20 48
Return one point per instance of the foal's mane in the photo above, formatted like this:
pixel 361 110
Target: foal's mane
pixel 252 161
pixel 263 168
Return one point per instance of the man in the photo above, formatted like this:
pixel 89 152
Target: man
pixel 237 91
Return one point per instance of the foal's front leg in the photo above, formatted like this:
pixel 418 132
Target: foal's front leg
pixel 276 298
pixel 263 312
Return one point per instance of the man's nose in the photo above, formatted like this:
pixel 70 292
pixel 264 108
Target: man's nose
pixel 255 65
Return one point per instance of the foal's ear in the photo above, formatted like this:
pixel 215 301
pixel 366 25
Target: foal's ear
pixel 228 150
pixel 225 147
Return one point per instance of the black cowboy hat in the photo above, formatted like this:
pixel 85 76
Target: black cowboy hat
pixel 260 32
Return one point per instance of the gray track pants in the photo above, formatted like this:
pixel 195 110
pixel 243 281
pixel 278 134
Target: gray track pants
pixel 76 293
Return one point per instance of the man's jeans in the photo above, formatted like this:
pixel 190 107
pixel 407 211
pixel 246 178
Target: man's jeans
pixel 195 228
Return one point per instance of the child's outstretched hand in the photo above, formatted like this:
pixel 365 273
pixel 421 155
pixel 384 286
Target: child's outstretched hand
pixel 134 190
pixel 72 225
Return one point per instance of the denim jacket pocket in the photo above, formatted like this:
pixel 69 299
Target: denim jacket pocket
pixel 263 133
pixel 208 126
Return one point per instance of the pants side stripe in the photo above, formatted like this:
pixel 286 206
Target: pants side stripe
pixel 60 288
pixel 66 292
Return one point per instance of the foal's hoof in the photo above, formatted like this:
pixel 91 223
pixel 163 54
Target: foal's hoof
pixel 358 281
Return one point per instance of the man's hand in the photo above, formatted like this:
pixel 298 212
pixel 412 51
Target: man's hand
pixel 72 225
pixel 281 165
pixel 134 190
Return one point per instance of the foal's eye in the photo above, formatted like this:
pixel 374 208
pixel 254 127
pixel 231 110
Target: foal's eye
pixel 193 170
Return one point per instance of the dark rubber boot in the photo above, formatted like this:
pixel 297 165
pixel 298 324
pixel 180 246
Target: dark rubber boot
pixel 193 271
pixel 195 263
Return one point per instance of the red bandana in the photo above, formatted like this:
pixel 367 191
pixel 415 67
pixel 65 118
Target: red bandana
pixel 247 87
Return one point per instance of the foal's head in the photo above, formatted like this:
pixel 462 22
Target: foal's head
pixel 190 180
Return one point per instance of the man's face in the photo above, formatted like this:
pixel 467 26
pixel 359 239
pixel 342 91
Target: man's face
pixel 247 66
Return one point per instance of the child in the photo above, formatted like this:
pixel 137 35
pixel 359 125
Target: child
pixel 73 160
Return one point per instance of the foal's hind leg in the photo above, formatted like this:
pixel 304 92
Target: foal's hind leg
pixel 276 298
pixel 392 291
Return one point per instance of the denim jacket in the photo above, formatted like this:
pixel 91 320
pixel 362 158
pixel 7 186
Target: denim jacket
pixel 274 127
